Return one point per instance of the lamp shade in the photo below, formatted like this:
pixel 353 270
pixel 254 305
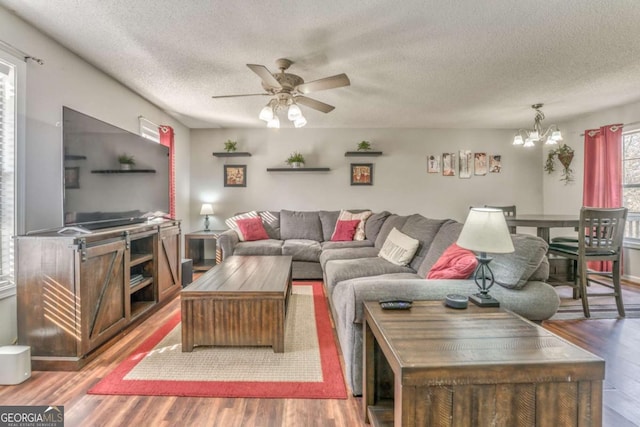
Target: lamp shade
pixel 485 230
pixel 206 209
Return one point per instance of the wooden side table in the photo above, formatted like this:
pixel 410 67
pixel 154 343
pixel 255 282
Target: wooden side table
pixel 479 366
pixel 194 248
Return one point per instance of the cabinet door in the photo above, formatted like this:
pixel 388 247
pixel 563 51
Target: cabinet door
pixel 102 295
pixel 169 273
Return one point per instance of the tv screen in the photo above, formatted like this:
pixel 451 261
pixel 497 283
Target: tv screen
pixel 98 191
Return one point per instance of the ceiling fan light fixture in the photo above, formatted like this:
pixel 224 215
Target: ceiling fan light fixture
pixel 266 113
pixel 300 121
pixel 294 112
pixel 274 123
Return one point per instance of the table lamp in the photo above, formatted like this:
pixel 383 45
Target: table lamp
pixel 485 230
pixel 206 210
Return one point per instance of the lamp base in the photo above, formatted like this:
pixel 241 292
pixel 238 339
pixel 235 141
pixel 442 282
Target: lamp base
pixel 484 300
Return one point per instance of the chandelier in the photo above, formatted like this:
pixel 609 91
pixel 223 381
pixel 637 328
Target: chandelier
pixel 281 102
pixel 528 137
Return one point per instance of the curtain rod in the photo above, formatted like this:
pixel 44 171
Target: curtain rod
pixel 623 125
pixel 25 56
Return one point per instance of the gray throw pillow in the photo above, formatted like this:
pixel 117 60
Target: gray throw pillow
pixel 513 270
pixel 300 225
pixel 374 224
pixel 393 221
pixel 328 220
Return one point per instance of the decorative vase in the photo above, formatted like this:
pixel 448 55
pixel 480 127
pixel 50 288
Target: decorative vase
pixel 565 159
pixel 297 165
pixel 125 166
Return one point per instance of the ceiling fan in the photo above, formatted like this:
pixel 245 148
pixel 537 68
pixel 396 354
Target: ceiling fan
pixel 287 90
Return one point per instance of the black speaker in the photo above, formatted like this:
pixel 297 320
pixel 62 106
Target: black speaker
pixel 187 272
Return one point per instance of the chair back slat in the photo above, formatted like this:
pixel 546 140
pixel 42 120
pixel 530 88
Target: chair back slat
pixel 603 229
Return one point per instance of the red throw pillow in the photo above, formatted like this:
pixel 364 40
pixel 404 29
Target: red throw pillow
pixel 455 263
pixel 345 230
pixel 252 229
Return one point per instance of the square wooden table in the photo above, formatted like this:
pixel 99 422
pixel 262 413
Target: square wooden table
pixel 475 367
pixel 241 302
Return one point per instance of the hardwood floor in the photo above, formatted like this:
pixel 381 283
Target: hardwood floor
pixel 617 341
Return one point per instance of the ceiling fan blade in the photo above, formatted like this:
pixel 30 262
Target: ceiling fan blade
pixel 338 80
pixel 264 74
pixel 312 103
pixel 235 96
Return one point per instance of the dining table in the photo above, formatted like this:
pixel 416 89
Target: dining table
pixel 544 222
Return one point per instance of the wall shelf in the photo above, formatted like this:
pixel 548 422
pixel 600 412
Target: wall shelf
pixel 124 171
pixel 233 154
pixel 298 169
pixel 362 153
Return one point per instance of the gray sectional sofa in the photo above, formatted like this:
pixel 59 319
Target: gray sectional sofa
pixel 353 272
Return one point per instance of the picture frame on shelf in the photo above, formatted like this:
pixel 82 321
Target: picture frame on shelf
pixel 361 173
pixel 235 175
pixel 433 163
pixel 72 177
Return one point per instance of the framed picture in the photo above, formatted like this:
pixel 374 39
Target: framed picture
pixel 235 175
pixel 361 173
pixel 480 163
pixel 495 163
pixel 464 163
pixel 72 177
pixel 449 164
pixel 433 163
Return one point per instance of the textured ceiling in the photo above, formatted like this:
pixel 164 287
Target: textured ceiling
pixel 412 63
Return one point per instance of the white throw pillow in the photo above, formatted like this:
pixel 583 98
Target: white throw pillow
pixel 232 224
pixel 349 216
pixel 399 248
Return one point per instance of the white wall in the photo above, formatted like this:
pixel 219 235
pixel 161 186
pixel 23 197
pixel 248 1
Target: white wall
pixel 567 199
pixel 65 79
pixel 400 183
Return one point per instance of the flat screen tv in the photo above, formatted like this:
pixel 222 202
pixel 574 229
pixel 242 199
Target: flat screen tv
pixel 98 193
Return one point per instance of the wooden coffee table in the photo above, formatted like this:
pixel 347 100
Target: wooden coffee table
pixel 241 302
pixel 475 367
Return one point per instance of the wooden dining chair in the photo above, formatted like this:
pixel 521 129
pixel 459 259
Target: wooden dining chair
pixel 509 212
pixel 600 236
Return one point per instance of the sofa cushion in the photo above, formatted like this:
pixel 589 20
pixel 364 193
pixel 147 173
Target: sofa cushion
pixel 271 222
pixel 362 216
pixel 446 236
pixel 513 270
pixel 302 249
pixel 347 252
pixel 252 229
pixel 338 270
pixel 393 221
pixel 328 221
pixel 259 247
pixel 232 222
pixel 542 272
pixel 424 230
pixel 300 225
pixel 374 223
pixel 348 244
pixel 399 248
pixel 455 263
pixel 345 230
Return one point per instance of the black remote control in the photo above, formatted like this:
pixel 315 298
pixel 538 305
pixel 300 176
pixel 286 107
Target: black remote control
pixel 395 304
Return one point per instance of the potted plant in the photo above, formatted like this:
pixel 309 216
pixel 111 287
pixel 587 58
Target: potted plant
pixel 230 146
pixel 295 160
pixel 364 146
pixel 126 161
pixel 565 154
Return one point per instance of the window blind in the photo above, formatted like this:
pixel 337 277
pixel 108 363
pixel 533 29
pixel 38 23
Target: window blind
pixel 8 172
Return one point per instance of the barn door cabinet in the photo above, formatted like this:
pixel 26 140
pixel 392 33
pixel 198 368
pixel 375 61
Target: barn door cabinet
pixel 77 292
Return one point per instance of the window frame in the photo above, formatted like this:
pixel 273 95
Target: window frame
pixel 632 217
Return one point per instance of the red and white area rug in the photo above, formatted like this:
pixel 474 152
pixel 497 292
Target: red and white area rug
pixel 309 368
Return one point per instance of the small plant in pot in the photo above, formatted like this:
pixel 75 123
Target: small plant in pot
pixel 126 161
pixel 295 160
pixel 230 146
pixel 364 146
pixel 565 154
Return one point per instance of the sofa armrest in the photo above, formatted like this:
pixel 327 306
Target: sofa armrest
pixel 535 301
pixel 227 242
